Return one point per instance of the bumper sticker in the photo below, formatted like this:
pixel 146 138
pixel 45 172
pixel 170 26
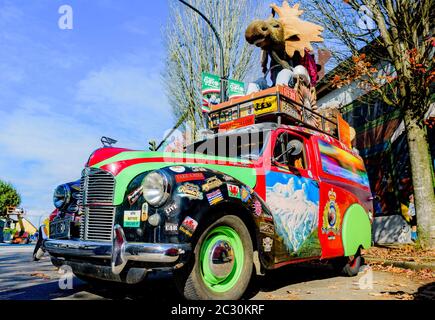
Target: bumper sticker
pixel 177 169
pixel 214 197
pixel 257 208
pixel 233 191
pixel 267 228
pixel 199 169
pixel 267 244
pixel 144 213
pixel 132 197
pixel 132 219
pixel 189 177
pixel 189 226
pixel 211 183
pixel 190 191
pixel 171 227
pixel 244 194
pixel 170 208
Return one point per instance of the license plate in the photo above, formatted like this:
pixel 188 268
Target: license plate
pixel 60 228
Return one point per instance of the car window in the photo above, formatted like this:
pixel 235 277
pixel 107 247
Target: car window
pixel 285 159
pixel 245 146
pixel 337 162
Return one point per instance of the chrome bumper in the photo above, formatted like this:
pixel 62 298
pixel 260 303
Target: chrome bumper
pixel 119 251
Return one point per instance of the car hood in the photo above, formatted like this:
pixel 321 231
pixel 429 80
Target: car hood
pixel 126 164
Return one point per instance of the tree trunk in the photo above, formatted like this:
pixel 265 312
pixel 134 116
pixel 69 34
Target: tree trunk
pixel 422 179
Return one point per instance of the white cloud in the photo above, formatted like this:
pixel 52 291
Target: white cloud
pixel 123 86
pixel 39 150
pixel 125 97
pixel 45 142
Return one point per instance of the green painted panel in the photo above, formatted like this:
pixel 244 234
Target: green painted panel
pixel 246 175
pixel 129 155
pixel 356 230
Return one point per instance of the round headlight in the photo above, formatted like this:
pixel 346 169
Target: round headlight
pixel 155 188
pixel 61 196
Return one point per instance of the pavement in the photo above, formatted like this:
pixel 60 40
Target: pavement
pixel 23 279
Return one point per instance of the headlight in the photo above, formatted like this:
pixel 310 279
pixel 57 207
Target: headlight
pixel 62 196
pixel 155 188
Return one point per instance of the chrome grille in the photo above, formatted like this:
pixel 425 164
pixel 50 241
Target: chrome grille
pixel 95 202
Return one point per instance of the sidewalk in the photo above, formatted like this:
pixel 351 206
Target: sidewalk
pixel 401 256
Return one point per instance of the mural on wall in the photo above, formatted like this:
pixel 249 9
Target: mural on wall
pixel 294 203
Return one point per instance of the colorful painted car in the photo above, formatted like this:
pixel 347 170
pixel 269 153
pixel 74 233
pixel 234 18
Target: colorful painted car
pixel 214 216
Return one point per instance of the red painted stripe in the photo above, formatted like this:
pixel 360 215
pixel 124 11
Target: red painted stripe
pixel 116 167
pixel 104 154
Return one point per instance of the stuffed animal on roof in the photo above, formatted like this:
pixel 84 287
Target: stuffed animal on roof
pixel 285 38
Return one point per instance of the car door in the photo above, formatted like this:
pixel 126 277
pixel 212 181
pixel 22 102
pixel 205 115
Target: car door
pixel 292 194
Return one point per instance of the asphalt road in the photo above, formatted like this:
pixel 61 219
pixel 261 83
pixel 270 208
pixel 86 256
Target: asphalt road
pixel 23 279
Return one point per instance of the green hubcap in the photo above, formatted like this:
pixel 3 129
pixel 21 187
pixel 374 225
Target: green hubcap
pixel 221 259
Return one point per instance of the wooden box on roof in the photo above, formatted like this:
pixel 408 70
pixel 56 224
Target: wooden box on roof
pixel 278 104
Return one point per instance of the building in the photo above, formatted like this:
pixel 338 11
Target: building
pixel 380 139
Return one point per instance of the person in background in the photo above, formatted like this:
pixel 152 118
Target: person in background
pixel 377 204
pixel 413 218
pixel 2 225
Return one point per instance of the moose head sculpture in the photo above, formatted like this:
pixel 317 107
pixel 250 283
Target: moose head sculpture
pixel 281 37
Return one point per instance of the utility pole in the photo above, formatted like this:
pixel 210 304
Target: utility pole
pixel 153 144
pixel 222 66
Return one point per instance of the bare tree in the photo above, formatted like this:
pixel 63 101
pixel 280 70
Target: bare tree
pixel 387 46
pixel 192 49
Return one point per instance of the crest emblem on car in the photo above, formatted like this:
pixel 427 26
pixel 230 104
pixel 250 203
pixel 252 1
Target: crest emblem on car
pixel 331 215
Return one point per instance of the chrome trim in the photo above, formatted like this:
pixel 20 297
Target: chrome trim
pixel 42 233
pixel 144 252
pixel 221 259
pixel 167 188
pixel 95 202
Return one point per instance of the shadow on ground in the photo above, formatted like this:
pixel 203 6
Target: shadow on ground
pixel 426 292
pixel 161 287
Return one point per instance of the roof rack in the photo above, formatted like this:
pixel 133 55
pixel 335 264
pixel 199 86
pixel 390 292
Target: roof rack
pixel 279 104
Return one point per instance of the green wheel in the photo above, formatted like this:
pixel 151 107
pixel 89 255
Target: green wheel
pixel 223 260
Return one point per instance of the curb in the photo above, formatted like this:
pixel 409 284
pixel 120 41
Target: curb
pixel 403 264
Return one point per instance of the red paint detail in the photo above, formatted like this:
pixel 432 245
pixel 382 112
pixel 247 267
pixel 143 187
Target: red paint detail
pixel 53 215
pixel 189 177
pixel 116 167
pixel 334 247
pixel 104 154
pixel 238 123
pixel 284 263
pixel 172 252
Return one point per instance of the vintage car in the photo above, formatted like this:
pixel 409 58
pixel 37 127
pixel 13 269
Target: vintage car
pixel 239 202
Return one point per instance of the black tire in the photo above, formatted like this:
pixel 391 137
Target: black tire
pixel 352 267
pixel 349 266
pixel 189 279
pixel 56 262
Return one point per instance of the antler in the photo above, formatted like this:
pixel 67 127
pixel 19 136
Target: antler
pixel 298 33
pixel 286 10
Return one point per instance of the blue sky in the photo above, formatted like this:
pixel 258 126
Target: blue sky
pixel 61 90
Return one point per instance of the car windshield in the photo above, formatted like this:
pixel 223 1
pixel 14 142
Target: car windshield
pixel 243 145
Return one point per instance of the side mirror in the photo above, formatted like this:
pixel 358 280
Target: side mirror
pixel 294 147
